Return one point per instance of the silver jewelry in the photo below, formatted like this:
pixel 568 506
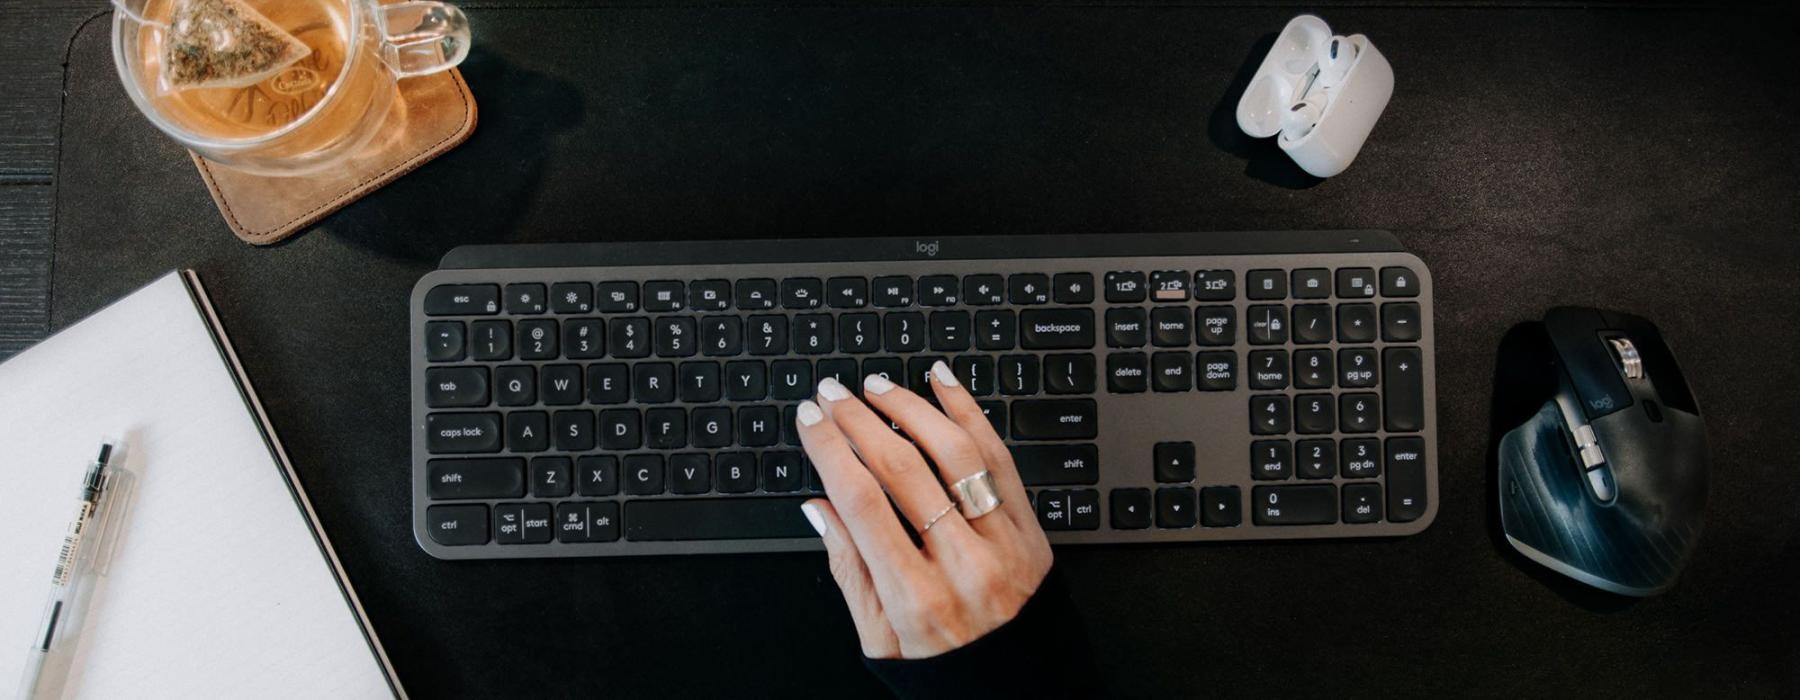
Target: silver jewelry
pixel 976 494
pixel 940 516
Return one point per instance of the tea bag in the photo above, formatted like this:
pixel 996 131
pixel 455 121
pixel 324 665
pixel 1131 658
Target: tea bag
pixel 224 43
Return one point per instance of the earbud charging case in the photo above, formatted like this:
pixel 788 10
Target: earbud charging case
pixel 1351 106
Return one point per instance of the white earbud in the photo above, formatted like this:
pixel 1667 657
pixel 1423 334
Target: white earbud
pixel 1300 119
pixel 1334 58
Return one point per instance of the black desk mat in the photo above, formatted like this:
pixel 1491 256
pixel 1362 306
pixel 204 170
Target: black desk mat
pixel 1629 159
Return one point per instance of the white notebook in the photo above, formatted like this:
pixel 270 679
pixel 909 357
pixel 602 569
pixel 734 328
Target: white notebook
pixel 221 582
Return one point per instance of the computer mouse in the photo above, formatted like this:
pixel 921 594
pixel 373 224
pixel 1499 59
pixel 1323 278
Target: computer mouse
pixel 1606 483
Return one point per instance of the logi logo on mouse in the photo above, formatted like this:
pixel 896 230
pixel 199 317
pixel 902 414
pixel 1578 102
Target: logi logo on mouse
pixel 929 250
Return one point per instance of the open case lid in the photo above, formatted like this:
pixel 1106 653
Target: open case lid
pixel 1289 73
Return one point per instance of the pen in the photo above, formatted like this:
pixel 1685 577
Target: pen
pixel 70 569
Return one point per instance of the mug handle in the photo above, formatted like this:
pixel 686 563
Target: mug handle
pixel 421 38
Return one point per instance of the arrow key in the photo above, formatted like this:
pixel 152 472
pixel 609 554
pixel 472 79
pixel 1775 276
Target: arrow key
pixel 1130 509
pixel 1221 506
pixel 1175 507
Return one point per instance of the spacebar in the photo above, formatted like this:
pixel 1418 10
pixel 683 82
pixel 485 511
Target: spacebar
pixel 716 519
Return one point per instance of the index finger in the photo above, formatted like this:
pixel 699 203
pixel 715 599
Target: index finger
pixel 859 502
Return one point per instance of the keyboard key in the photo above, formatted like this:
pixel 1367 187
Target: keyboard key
pixel 597 475
pixel 701 382
pixel 515 385
pixel 1359 413
pixel 664 429
pixel 537 339
pixel 1267 324
pixel 712 427
pixel 456 526
pixel 1217 325
pixel 1221 506
pixel 736 472
pixel 643 475
pixel 1271 460
pixel 561 385
pixel 664 295
pixel 1312 283
pixel 690 472
pixel 1312 504
pixel 450 479
pixel 847 292
pixel 1400 322
pixel 1131 509
pixel 709 295
pixel 1217 370
pixel 995 411
pixel 1169 285
pixel 918 374
pixel 790 380
pixel 1406 479
pixel 1362 503
pixel 783 471
pixel 976 373
pixel 1265 285
pixel 1169 327
pixel 1057 465
pixel 1313 369
pixel 1126 372
pixel 653 382
pixel 1055 419
pixel 802 293
pixel 616 297
pixel 1355 283
pixel 447 433
pixel 444 341
pixel 995 330
pixel 573 430
pixel 528 431
pixel 842 369
pixel 456 387
pixel 938 290
pixel 984 290
pixel 949 331
pixel 620 429
pixel 675 336
pixel 1176 507
pixel 583 339
pixel 1073 288
pixel 524 299
pixel 1069 374
pixel 1170 372
pixel 756 294
pixel 628 337
pixel 1124 287
pixel 596 521
pixel 1356 323
pixel 889 368
pixel 859 333
pixel 758 426
pixel 1360 458
pixel 1127 327
pixel 522 523
pixel 1315 459
pixel 893 292
pixel 1356 368
pixel 572 298
pixel 550 477
pixel 1028 288
pixel 903 332
pixel 1173 462
pixel 462 300
pixel 1404 389
pixel 1313 414
pixel 1268 370
pixel 813 334
pixel 1069 510
pixel 666 519
pixel 1215 285
pixel 1399 282
pixel 1312 323
pixel 491 340
pixel 767 335
pixel 607 383
pixel 1268 415
pixel 1056 329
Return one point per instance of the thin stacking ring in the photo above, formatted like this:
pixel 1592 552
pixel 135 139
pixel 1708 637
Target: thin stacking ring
pixel 940 516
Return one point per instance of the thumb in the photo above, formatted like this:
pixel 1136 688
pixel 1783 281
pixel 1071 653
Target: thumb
pixel 852 576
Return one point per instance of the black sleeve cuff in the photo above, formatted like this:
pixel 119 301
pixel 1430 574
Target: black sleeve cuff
pixel 1041 653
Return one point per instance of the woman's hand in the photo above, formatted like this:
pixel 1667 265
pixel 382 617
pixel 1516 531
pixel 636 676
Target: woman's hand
pixel 972 575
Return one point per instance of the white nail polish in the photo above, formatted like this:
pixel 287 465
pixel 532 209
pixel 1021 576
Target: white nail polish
pixel 808 413
pixel 941 372
pixel 832 390
pixel 877 384
pixel 813 516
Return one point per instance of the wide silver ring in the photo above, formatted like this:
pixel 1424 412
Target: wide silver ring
pixel 976 494
pixel 940 516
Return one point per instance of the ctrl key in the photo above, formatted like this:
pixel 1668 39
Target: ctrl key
pixel 1078 509
pixel 455 526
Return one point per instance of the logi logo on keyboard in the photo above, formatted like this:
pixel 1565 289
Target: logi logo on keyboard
pixel 929 250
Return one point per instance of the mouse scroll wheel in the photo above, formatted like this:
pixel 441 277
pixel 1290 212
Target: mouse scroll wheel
pixel 1627 355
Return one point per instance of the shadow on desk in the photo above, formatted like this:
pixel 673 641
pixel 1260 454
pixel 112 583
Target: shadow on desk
pixel 1264 160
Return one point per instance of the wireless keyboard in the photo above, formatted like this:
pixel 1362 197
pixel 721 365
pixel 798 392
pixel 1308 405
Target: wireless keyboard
pixel 638 398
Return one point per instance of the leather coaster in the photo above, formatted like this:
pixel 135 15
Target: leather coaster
pixel 433 114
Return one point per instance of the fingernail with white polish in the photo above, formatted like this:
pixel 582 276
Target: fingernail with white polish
pixel 941 372
pixel 812 514
pixel 877 384
pixel 832 390
pixel 808 413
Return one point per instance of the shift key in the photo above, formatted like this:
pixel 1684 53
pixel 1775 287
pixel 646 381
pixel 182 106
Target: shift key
pixel 1055 419
pixel 1057 465
pixel 498 477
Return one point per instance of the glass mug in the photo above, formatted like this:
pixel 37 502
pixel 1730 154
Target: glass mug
pixel 310 115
